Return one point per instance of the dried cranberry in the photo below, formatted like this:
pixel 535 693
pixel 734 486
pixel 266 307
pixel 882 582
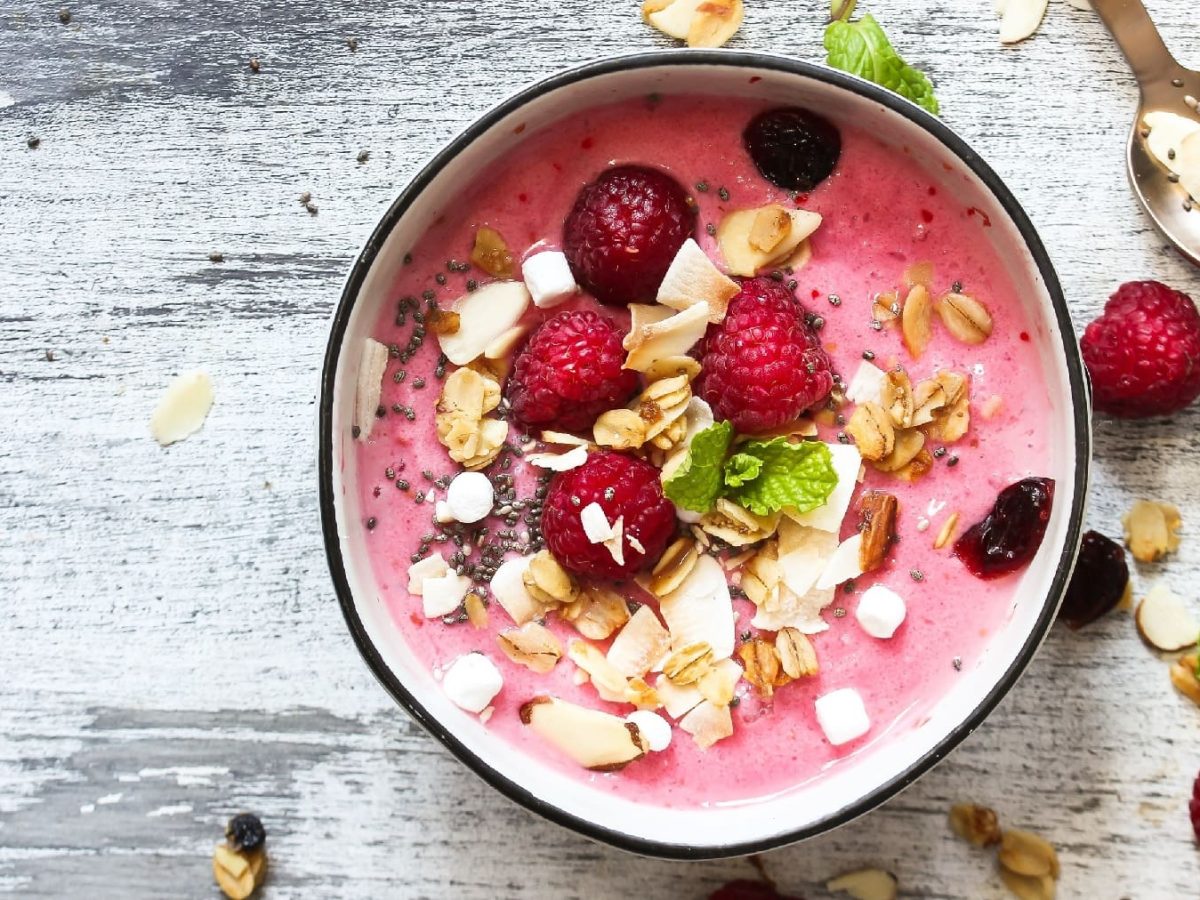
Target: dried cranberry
pixel 749 890
pixel 1101 576
pixel 1193 809
pixel 1008 537
pixel 793 148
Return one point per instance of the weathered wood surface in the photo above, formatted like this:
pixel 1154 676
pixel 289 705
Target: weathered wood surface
pixel 172 650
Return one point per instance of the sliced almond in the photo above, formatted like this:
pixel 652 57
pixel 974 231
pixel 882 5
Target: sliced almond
pixel 476 610
pixel 965 318
pixel 491 253
pixel 1151 530
pixel 594 739
pixel 547 581
pixel 671 366
pixel 946 532
pixel 919 273
pixel 1020 19
pixel 693 278
pixel 908 445
pixel 716 21
pixel 1028 854
pixel 708 723
pixel 688 664
pixel 558 462
pixel 872 430
pixel 608 682
pixel 1165 622
pixel 532 645
pixel 770 227
pixel 368 390
pixel 797 656
pixel 916 320
pixel 1028 887
pixel 672 336
pixel 602 611
pixel 234 873
pixel 673 566
pixel 977 825
pixel 742 257
pixel 1183 677
pixel 865 884
pixel 484 315
pixel 672 17
pixel 896 396
pixel 506 343
pixel 916 468
pixel 640 644
pixel 762 665
pixel 877 522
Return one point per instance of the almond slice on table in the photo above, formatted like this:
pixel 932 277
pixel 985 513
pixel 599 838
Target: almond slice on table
pixel 978 825
pixel 692 279
pixel 368 386
pixel 640 644
pixel 1183 677
pixel 701 609
pixel 189 397
pixel 1028 887
pixel 672 336
pixel 1165 622
pixel 707 723
pixel 1026 853
pixel 1020 19
pixel 702 23
pixel 1151 530
pixel 594 739
pixel 532 645
pixel 742 257
pixel 865 884
pixel 484 315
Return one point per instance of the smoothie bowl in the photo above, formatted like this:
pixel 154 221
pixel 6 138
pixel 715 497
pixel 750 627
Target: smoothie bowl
pixel 703 448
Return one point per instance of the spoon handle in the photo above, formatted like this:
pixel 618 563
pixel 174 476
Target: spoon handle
pixel 1138 39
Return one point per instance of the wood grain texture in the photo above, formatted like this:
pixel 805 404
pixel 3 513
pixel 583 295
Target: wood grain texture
pixel 172 650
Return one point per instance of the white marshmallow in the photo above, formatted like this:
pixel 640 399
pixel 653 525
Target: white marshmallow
pixel 441 596
pixel 842 716
pixel 472 681
pixel 549 279
pixel 429 567
pixel 653 727
pixel 442 512
pixel 595 523
pixel 470 496
pixel 880 611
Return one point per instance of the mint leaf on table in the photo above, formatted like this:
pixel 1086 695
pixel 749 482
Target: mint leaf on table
pixel 741 468
pixel 861 48
pixel 797 476
pixel 697 482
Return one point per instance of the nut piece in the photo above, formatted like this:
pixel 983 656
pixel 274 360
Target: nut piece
pixel 872 431
pixel 673 335
pixel 639 645
pixel 671 366
pixel 1151 530
pixel 707 723
pixel 772 224
pixel 797 656
pixel 949 527
pixel 609 683
pixel 532 645
pixel 238 873
pixel 736 525
pixel 1164 621
pixel 596 740
pixel 476 610
pixel 1028 887
pixel 742 256
pixel 467 396
pixel 865 884
pixel 885 308
pixel 916 320
pixel 877 521
pixel 188 398
pixel 965 318
pixel 763 669
pixel 1183 676
pixel 1026 853
pixel 928 399
pixel 976 824
pixel 549 582
pixel 491 253
pixel 620 429
pixel 443 321
pixel 716 21
pixel 673 566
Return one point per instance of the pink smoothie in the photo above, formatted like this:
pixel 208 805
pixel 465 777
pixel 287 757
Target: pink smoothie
pixel 882 212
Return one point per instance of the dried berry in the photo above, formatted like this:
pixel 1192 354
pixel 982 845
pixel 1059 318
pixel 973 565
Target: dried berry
pixel 1194 808
pixel 743 889
pixel 1008 537
pixel 793 148
pixel 245 832
pixel 1100 581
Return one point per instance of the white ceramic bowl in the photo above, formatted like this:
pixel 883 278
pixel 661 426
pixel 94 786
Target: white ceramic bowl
pixel 843 792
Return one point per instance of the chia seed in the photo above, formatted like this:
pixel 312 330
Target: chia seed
pixel 818 323
pixel 723 194
pixel 956 287
pixel 939 452
pixel 371 523
pixel 419 497
pixel 409 413
pixel 792 285
pixel 702 187
pixel 390 473
pixel 916 574
pixel 839 612
pixel 835 300
pixel 380 412
pixel 609 493
pixel 848 587
pixel 843 438
pixel 439 278
pixel 952 461
pixel 957 663
pixel 777 276
pixel 876 325
pixel 427 474
pixel 408 259
pixel 428 296
pixel 402 484
pixel 472 285
pixel 711 229
pixel 355 431
pixel 868 355
pixel 399 375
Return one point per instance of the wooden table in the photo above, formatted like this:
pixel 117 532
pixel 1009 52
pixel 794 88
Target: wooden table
pixel 172 650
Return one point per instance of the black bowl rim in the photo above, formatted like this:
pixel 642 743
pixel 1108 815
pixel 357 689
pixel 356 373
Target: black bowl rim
pixel 327 468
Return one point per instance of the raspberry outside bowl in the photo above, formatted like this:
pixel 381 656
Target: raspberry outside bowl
pixel 846 790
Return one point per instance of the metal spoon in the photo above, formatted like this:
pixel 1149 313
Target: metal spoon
pixel 1166 86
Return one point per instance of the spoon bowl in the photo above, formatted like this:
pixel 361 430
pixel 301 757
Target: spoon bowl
pixel 1166 88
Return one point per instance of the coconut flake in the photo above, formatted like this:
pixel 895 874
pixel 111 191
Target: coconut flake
pixel 866 384
pixel 692 278
pixel 558 462
pixel 701 609
pixel 595 523
pixel 640 644
pixel 844 564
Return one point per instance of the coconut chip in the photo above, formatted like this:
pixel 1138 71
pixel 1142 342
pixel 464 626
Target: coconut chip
pixel 610 684
pixel 708 723
pixel 693 279
pixel 368 387
pixel 532 645
pixel 640 644
pixel 483 316
pixel 671 336
pixel 558 462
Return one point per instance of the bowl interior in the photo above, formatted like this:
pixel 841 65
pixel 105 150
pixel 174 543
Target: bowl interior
pixel 844 791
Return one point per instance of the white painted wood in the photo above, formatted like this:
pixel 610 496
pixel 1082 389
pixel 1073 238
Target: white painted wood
pixel 171 649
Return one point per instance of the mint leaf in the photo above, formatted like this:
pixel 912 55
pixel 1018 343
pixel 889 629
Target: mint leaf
pixel 798 476
pixel 861 48
pixel 697 482
pixel 741 468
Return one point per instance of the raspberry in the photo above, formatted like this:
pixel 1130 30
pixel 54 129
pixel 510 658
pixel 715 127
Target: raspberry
pixel 793 148
pixel 569 371
pixel 1143 353
pixel 625 487
pixel 1194 808
pixel 624 231
pixel 763 366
